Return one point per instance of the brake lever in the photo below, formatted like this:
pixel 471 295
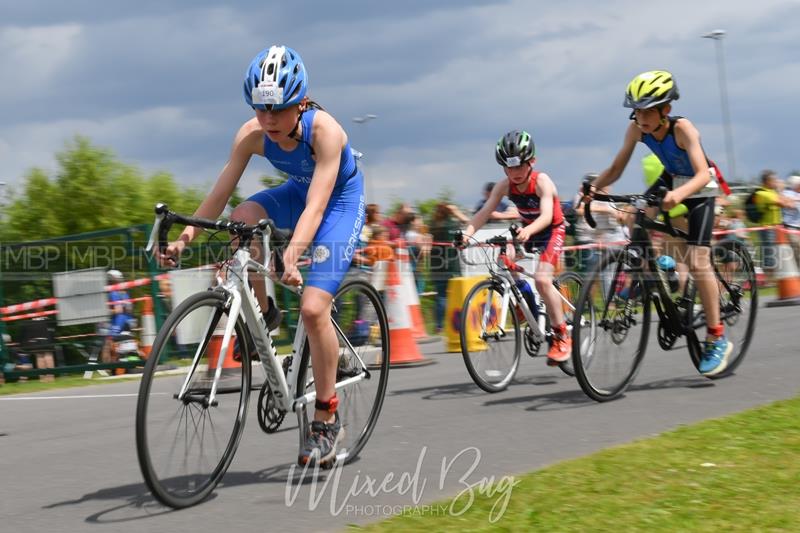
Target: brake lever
pixel 156 234
pixel 458 239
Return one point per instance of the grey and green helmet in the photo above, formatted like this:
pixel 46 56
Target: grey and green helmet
pixel 514 148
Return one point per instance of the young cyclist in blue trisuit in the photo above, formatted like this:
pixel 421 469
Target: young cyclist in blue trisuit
pixel 323 201
pixel 536 199
pixel 690 178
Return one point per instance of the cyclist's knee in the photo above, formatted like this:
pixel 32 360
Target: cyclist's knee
pixel 315 307
pixel 248 212
pixel 699 258
pixel 542 280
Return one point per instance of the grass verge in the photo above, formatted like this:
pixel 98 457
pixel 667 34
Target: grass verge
pixel 61 382
pixel 738 473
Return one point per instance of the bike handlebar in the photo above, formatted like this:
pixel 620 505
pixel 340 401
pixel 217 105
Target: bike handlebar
pixel 498 240
pixel 640 201
pixel 166 218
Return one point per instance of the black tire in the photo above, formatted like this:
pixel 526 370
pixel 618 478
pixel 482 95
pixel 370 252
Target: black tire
pixel 165 424
pixel 614 343
pixel 736 277
pixel 495 363
pixel 569 285
pixel 360 405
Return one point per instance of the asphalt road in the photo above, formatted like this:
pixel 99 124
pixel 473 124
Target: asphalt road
pixel 68 460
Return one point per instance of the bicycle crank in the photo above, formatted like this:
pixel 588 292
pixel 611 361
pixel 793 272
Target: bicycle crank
pixel 666 339
pixel 270 417
pixel 532 344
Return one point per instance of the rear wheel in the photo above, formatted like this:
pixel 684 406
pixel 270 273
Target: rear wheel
pixel 363 333
pixel 738 300
pixel 490 337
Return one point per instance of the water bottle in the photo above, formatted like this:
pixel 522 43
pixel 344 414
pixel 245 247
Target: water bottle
pixel 525 288
pixel 666 264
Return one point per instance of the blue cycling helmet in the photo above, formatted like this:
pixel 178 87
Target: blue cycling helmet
pixel 276 79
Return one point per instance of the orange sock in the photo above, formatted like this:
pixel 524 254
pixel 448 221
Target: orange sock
pixel 716 331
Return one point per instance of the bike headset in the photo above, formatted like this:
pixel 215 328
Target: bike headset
pixel 276 79
pixel 655 88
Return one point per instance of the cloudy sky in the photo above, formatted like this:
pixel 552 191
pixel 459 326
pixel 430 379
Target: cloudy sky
pixel 160 82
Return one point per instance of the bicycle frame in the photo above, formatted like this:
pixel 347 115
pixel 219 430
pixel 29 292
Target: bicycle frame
pixel 509 287
pixel 242 300
pixel 640 250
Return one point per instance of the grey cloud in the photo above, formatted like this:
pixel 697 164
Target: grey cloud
pixel 160 82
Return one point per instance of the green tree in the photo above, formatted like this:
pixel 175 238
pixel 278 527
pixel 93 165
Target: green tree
pixel 162 188
pixel 92 190
pixel 31 216
pixel 83 193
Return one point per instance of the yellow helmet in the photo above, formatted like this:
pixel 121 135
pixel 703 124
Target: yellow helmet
pixel 650 89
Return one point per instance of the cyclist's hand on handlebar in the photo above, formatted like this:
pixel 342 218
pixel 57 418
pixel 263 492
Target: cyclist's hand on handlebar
pixel 587 190
pixel 171 255
pixel 671 200
pixel 458 240
pixel 523 234
pixel 291 274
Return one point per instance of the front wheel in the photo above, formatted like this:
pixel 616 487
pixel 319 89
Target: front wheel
pixel 185 438
pixel 612 321
pixel 362 330
pixel 490 336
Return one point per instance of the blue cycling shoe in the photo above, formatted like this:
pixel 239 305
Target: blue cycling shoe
pixel 715 357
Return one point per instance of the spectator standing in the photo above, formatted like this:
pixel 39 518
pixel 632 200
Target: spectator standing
pixel 791 215
pixel 121 310
pixel 444 260
pixel 397 224
pixel 372 218
pixel 731 221
pixel 504 211
pixel 378 248
pixel 419 244
pixel 121 315
pixel 609 222
pixel 770 202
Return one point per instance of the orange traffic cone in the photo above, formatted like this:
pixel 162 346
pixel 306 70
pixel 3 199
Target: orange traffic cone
pixel 403 348
pixel 787 276
pixel 148 328
pixel 378 278
pixel 411 296
pixel 213 349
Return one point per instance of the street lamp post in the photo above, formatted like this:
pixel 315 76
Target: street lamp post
pixel 717 36
pixel 363 121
